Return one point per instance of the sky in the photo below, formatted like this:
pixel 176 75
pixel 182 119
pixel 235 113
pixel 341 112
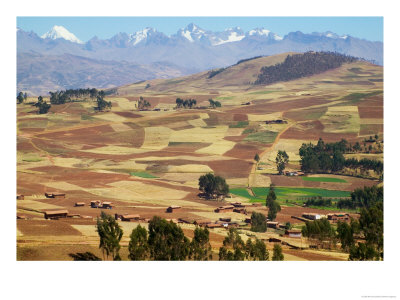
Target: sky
pixel 369 28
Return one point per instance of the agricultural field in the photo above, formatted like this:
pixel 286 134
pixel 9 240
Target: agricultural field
pixel 145 161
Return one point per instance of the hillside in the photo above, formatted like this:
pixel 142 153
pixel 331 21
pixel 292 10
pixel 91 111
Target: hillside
pixel 236 77
pixel 38 74
pixel 240 78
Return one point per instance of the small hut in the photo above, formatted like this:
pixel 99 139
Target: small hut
pixel 55 214
pixel 54 195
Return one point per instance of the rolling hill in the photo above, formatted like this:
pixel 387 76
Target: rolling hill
pixel 240 78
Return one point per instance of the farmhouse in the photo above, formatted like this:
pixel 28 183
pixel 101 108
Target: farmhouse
pixel 240 211
pixel 247 220
pixel 129 218
pixel 20 197
pixel 335 217
pixel 55 214
pixel 227 219
pixel 202 222
pixel 214 225
pixel 311 216
pixel 295 233
pixel 79 204
pixel 186 220
pixel 224 208
pixel 272 224
pixel 172 208
pixel 95 204
pixel 107 205
pixel 54 195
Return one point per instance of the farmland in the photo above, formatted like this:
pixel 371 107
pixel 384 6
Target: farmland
pixel 145 161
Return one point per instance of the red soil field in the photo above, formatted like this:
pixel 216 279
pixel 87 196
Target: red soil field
pixel 240 117
pixel 243 151
pixel 279 106
pixel 46 227
pixel 313 130
pixel 127 114
pixel 231 168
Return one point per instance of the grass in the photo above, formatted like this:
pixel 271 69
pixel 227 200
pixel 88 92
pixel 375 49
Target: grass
pixel 85 117
pixel 324 179
pixel 142 174
pixel 265 137
pixel 240 124
pixel 225 98
pixel 356 97
pixel 284 193
pixel 33 159
pixel 242 192
pixel 249 130
pixel 261 92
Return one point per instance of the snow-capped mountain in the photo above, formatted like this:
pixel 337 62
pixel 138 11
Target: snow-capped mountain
pixel 330 34
pixel 228 36
pixel 60 32
pixel 192 49
pixel 261 32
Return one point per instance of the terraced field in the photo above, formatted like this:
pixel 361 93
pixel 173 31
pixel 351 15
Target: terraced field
pixel 145 161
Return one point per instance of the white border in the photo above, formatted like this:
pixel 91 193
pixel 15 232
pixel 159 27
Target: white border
pixel 287 280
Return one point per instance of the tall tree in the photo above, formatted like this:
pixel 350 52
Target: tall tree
pixel 281 160
pixel 273 206
pixel 233 247
pixel 167 241
pixel 256 250
pixel 20 97
pixel 200 245
pixel 277 253
pixel 138 244
pixel 257 158
pixel 258 222
pixel 143 103
pixel 110 234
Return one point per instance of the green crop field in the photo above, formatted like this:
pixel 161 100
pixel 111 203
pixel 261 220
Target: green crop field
pixel 261 92
pixel 142 174
pixel 265 137
pixel 324 179
pixel 288 193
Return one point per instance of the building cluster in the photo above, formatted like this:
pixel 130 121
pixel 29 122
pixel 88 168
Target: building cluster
pixel 332 217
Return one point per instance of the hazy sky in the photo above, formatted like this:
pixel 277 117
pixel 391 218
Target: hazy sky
pixel 370 28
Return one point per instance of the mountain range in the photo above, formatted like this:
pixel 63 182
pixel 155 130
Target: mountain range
pixel 149 54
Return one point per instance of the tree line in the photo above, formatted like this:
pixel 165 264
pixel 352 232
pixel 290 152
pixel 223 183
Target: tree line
pixel 165 241
pixel 61 97
pixel 362 239
pixel 187 103
pixel 21 97
pixel 302 65
pixel 214 103
pixel 328 157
